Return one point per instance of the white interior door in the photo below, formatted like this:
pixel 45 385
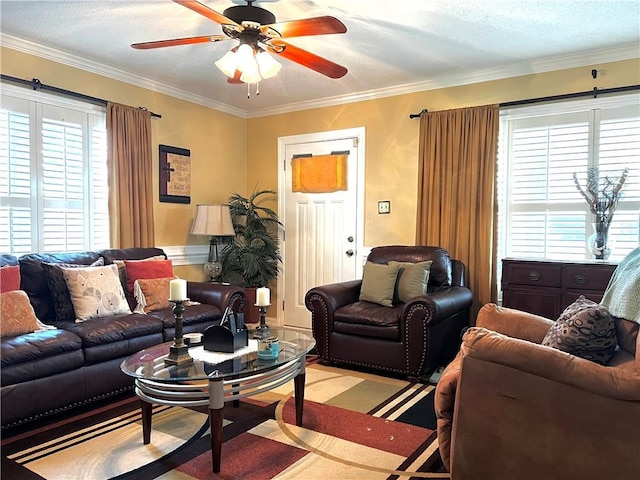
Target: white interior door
pixel 322 231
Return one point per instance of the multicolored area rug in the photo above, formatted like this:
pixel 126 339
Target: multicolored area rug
pixel 355 426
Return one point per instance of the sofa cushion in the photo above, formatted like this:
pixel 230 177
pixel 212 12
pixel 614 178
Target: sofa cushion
pixel 412 280
pixel 34 281
pixel 9 278
pixel 378 283
pixel 33 346
pixel 584 329
pixel 16 314
pixel 58 288
pixel 369 319
pixel 151 294
pixel 112 329
pixel 95 292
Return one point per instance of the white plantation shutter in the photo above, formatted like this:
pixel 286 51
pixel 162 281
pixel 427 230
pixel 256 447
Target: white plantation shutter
pixel 542 214
pixel 54 196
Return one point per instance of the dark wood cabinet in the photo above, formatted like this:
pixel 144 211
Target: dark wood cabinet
pixel 547 287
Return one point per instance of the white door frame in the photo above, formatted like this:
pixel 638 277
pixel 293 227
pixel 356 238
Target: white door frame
pixel 358 133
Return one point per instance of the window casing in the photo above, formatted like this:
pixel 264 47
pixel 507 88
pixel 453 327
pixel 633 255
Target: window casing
pixel 541 212
pixel 54 187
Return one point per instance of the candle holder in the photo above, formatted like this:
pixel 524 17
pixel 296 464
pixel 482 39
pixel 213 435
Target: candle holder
pixel 262 330
pixel 179 351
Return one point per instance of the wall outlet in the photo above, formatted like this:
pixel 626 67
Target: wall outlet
pixel 384 206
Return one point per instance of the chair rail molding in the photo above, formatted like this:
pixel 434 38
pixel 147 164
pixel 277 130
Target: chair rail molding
pixel 187 254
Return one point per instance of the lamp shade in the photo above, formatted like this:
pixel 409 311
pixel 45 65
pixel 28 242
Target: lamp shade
pixel 213 220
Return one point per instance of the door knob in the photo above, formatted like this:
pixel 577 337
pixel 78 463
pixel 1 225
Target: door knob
pixel 350 239
pixel 349 253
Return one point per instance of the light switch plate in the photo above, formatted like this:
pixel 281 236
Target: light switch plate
pixel 384 206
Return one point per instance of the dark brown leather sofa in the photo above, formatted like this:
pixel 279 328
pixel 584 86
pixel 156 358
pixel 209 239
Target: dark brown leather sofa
pixel 49 371
pixel 412 338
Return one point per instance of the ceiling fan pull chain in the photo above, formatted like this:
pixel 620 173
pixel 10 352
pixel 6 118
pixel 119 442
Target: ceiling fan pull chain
pixel 248 90
pixel 257 88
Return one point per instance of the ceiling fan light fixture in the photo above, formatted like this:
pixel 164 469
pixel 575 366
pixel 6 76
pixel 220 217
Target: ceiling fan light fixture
pixel 267 65
pixel 228 63
pixel 247 64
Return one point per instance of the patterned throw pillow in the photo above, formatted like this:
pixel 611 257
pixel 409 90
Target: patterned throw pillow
pixel 58 287
pixel 10 278
pixel 95 292
pixel 151 294
pixel 16 314
pixel 585 329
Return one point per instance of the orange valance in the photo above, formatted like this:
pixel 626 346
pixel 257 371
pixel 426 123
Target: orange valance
pixel 320 174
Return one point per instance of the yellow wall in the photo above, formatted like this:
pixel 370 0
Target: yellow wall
pixel 392 139
pixel 242 160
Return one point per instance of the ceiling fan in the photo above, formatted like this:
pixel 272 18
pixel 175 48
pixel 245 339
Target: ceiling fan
pixel 258 33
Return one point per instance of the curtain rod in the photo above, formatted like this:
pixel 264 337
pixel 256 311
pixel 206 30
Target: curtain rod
pixel 38 85
pixel 595 92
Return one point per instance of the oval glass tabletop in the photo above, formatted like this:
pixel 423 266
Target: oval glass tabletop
pixel 149 363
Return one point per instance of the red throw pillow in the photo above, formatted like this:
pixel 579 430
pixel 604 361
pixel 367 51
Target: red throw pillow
pixel 148 269
pixel 9 278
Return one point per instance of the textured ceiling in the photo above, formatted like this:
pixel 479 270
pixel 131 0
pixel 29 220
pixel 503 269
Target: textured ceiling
pixel 390 46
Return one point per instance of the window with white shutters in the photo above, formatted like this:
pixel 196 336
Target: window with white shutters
pixel 53 194
pixel 541 212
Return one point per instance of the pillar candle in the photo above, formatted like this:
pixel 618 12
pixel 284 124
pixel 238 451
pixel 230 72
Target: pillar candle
pixel 263 297
pixel 177 289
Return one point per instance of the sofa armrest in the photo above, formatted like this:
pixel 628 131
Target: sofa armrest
pixel 222 296
pixel 553 364
pixel 441 305
pixel 513 323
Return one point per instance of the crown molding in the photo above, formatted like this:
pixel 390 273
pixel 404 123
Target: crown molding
pixel 508 70
pixel 75 61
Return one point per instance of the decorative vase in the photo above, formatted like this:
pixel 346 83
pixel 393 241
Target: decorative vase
pixel 598 241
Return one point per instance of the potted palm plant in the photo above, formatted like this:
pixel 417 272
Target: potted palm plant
pixel 252 258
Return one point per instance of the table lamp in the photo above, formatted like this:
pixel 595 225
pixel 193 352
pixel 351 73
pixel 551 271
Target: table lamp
pixel 213 220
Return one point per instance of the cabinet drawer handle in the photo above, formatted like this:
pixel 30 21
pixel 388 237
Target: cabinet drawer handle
pixel 534 276
pixel 580 279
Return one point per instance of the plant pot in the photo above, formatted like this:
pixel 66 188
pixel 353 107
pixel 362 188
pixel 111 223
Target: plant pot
pixel 251 313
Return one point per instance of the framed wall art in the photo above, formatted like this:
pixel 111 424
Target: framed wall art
pixel 175 174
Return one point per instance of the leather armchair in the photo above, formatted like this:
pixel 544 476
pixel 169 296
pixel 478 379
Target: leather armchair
pixel 508 407
pixel 411 339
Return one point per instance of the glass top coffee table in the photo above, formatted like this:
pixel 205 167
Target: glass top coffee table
pixel 214 378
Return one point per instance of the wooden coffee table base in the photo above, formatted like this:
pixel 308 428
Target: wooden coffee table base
pixel 214 393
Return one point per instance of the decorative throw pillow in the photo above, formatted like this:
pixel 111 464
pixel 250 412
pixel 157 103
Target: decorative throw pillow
pixel 95 292
pixel 9 278
pixel 412 280
pixel 58 287
pixel 378 283
pixel 123 273
pixel 136 270
pixel 585 329
pixel 151 294
pixel 16 314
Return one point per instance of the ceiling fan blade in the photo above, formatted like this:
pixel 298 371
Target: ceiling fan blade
pixel 179 41
pixel 236 78
pixel 308 26
pixel 307 59
pixel 206 12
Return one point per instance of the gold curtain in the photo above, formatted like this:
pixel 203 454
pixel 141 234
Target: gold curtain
pixel 130 176
pixel 456 206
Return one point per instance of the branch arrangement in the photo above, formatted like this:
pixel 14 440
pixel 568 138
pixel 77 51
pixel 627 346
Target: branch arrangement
pixel 601 193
